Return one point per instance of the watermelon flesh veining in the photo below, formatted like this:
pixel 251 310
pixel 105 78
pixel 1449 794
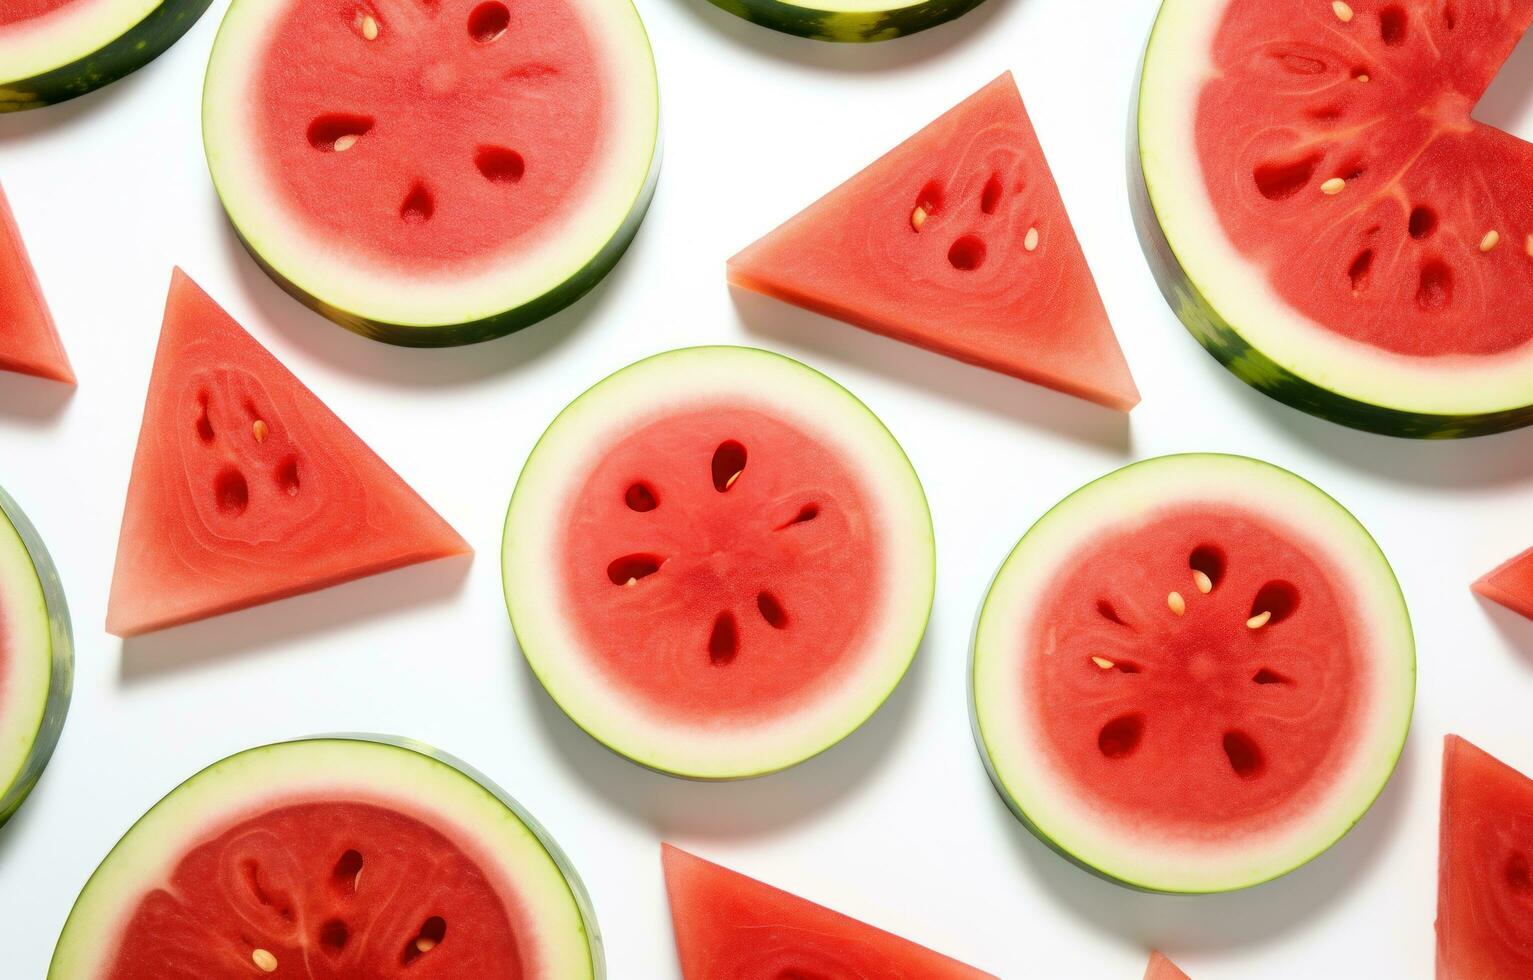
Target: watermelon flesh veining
pixel 29 342
pixel 718 562
pixel 728 925
pixel 1485 852
pixel 956 241
pixel 1510 584
pixel 246 488
pixel 1194 674
pixel 1341 231
pixel 1161 968
pixel 333 859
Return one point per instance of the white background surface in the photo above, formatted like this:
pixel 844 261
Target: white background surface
pixel 897 825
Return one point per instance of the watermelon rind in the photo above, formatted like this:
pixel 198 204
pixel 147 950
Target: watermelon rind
pixel 427 783
pixel 849 21
pixel 1099 839
pixel 567 451
pixel 38 677
pixel 87 46
pixel 1228 304
pixel 442 310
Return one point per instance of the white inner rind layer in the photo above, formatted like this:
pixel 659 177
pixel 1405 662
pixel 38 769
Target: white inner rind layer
pixel 1177 65
pixel 349 280
pixel 688 380
pixel 41 44
pixel 410 781
pixel 26 648
pixel 1105 837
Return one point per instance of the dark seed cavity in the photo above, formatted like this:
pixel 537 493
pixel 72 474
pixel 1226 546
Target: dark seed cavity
pixel 1244 754
pixel 1120 737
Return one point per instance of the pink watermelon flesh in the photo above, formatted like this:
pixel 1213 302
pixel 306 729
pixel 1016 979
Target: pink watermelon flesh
pixel 1382 101
pixel 246 488
pixel 332 890
pixel 1161 968
pixel 728 925
pixel 16 11
pixel 29 342
pixel 1198 723
pixel 1511 584
pixel 1485 852
pixel 387 144
pixel 929 245
pixel 744 535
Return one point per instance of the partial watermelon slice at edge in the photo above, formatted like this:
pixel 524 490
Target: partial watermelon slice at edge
pixel 1510 584
pixel 1161 968
pixel 246 488
pixel 956 241
pixel 29 341
pixel 728 924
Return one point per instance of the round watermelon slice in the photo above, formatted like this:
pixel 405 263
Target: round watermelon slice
pixel 53 50
pixel 433 172
pixel 36 657
pixel 1193 675
pixel 1327 218
pixel 718 562
pixel 849 20
pixel 352 856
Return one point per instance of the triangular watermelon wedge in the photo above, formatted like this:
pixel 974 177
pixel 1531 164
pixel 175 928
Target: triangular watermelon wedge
pixel 728 925
pixel 1511 584
pixel 246 488
pixel 1485 868
pixel 29 342
pixel 956 241
pixel 1161 968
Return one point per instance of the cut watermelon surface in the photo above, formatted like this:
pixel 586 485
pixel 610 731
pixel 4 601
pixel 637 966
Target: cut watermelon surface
pixel 718 562
pixel 52 50
pixel 433 172
pixel 29 342
pixel 246 488
pixel 1329 220
pixel 728 925
pixel 1193 675
pixel 1485 851
pixel 1161 968
pixel 956 241
pixel 1510 584
pixel 333 859
pixel 36 657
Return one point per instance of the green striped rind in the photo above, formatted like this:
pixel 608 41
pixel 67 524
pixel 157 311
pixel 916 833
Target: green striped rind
pixel 81 941
pixel 847 26
pixel 60 664
pixel 141 44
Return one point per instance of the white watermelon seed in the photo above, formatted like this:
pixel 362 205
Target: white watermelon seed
pixel 1257 622
pixel 1362 78
pixel 918 217
pixel 1103 663
pixel 1343 12
pixel 259 429
pixel 1204 583
pixel 732 480
pixel 344 143
pixel 1334 186
pixel 369 28
pixel 1031 241
pixel 632 581
pixel 1528 246
pixel 1177 603
pixel 264 959
pixel 1491 240
pixel 425 944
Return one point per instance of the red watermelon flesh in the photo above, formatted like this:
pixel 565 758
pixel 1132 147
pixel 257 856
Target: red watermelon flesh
pixel 1161 968
pixel 1511 584
pixel 333 890
pixel 246 488
pixel 1485 852
pixel 16 11
pixel 728 925
pixel 956 241
pixel 29 342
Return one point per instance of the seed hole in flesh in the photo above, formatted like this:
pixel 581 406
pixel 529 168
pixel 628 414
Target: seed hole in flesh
pixel 805 514
pixel 1450 16
pixel 1208 560
pixel 931 198
pixel 418 205
pixel 1278 598
pixel 990 199
pixel 772 611
pixel 1120 737
pixel 429 937
pixel 1325 113
pixel 1269 676
pixel 1518 876
pixel 287 476
pixel 723 639
pixel 1392 22
pixel 500 165
pixel 488 21
pixel 728 465
pixel 252 876
pixel 347 872
pixel 1244 754
pixel 1300 64
pixel 1106 611
pixel 1361 270
pixel 338 132
pixel 641 497
pixel 1360 74
pixel 967 253
pixel 1434 290
pixel 1121 666
pixel 204 423
pixel 231 492
pixel 333 936
pixel 1422 223
pixel 1282 179
pixel 631 568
